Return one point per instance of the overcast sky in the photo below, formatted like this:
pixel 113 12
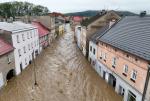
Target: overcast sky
pixel 66 6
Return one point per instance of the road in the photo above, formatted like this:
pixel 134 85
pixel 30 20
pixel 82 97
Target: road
pixel 63 74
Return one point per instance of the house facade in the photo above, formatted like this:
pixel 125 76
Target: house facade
pixel 122 57
pixel 93 24
pixel 25 40
pixel 7 70
pixel 45 37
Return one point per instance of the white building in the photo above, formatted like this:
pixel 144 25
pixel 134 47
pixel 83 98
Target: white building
pixel 25 40
pixel 78 31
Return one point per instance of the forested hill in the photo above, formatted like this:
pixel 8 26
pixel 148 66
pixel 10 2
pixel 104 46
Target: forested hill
pixel 91 13
pixel 12 9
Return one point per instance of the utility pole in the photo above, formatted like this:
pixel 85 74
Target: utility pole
pixel 35 81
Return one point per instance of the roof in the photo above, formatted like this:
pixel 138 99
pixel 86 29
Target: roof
pixel 42 30
pixel 77 18
pixel 99 33
pixel 15 26
pixel 5 47
pixel 131 34
pixel 86 22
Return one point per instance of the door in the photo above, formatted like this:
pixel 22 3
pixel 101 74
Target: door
pixel 21 67
pixel 112 80
pixel 104 73
pixel 131 96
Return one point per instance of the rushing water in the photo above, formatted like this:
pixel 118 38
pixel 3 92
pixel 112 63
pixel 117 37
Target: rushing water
pixel 63 74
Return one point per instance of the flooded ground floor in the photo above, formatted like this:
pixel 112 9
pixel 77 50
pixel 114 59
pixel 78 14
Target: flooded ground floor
pixel 63 74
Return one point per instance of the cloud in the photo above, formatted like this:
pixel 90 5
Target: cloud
pixel 80 5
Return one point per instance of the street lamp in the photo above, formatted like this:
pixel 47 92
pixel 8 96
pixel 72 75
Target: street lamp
pixel 35 81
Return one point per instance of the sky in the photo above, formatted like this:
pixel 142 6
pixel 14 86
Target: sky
pixel 66 6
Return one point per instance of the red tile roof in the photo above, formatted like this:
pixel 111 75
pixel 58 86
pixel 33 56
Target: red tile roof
pixel 5 47
pixel 77 18
pixel 41 28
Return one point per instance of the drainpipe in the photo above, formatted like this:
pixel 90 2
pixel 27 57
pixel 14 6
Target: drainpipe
pixel 146 83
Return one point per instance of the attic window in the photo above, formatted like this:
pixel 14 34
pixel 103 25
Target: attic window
pixel 127 56
pixel 136 59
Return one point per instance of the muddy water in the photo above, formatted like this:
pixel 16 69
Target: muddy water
pixel 63 74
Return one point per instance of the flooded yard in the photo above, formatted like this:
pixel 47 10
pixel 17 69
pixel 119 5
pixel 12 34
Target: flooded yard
pixel 63 74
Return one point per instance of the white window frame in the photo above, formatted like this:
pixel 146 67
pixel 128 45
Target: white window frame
pixel 9 59
pixel 18 41
pixel 125 69
pixel 104 56
pixel 19 52
pixel 114 61
pixel 23 38
pixel 132 75
pixel 24 49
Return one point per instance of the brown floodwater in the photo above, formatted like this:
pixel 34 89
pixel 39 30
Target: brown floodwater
pixel 63 74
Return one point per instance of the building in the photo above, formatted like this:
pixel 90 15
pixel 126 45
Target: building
pixel 48 21
pixel 93 46
pixel 93 24
pixel 45 37
pixel 7 68
pixel 59 22
pixel 123 57
pixel 25 40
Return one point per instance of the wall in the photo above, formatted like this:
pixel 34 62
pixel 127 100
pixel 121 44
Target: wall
pixel 5 65
pixel 33 42
pixel 140 65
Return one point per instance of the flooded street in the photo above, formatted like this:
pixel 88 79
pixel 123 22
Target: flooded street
pixel 63 74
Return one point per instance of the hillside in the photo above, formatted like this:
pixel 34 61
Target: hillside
pixel 91 13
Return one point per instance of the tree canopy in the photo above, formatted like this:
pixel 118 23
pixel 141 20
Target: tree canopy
pixel 12 9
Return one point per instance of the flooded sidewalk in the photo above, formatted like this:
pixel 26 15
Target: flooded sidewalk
pixel 63 74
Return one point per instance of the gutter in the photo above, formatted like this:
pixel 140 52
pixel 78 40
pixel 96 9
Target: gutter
pixel 146 83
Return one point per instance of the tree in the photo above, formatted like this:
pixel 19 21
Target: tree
pixel 12 9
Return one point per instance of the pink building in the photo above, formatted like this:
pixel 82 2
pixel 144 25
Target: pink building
pixel 123 57
pixel 44 34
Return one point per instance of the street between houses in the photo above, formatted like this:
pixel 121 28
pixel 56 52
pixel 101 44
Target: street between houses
pixel 63 74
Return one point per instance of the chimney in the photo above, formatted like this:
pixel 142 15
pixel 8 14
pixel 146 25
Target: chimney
pixel 143 13
pixel 112 22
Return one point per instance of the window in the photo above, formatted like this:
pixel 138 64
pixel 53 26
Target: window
pixel 131 96
pixel 19 52
pixel 30 34
pixel 24 48
pixel 27 35
pixel 133 75
pixel 17 38
pixel 29 46
pixel 8 59
pixel 104 56
pixel 94 51
pixel 101 55
pixel 114 62
pixel 25 61
pixel 23 38
pixel 91 48
pixel 35 43
pixel 125 69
